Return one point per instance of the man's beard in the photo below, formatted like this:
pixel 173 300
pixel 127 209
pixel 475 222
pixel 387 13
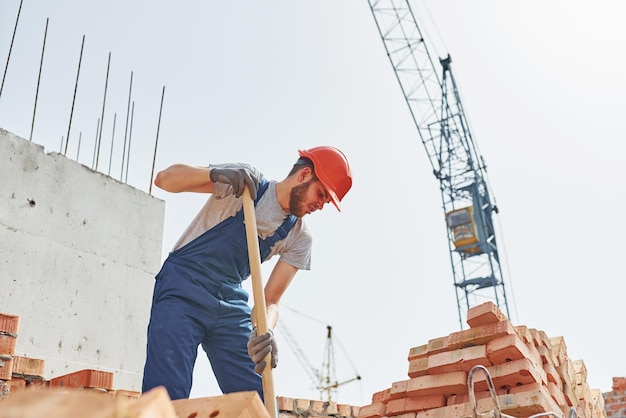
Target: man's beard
pixel 296 198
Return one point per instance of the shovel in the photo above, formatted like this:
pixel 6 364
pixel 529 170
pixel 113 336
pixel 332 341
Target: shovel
pixel 259 297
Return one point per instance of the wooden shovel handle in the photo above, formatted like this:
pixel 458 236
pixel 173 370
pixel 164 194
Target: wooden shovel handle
pixel 259 296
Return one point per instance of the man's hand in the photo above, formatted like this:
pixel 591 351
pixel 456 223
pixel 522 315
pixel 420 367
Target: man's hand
pixel 259 347
pixel 238 178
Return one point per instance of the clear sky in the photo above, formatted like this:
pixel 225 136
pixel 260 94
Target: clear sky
pixel 542 83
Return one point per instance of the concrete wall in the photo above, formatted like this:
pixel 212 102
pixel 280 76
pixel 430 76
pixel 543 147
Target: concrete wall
pixel 78 255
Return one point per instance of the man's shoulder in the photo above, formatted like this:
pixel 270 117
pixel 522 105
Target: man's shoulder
pixel 302 230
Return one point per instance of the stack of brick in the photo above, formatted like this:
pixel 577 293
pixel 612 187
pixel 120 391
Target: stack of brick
pixel 80 393
pixel 296 408
pixel 531 374
pixel 9 326
pixel 20 372
pixel 615 401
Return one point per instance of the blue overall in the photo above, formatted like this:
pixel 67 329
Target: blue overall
pixel 198 299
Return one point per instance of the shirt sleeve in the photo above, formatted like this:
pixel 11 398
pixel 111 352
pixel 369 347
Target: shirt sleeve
pixel 298 245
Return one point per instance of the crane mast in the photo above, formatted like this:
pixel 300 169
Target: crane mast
pixel 437 112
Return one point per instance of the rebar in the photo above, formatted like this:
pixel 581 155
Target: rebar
pixel 43 49
pixel 69 125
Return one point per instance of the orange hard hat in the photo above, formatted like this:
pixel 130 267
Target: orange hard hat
pixel 332 169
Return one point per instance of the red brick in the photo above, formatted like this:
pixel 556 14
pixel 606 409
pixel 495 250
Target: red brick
pixel 318 407
pixel 418 367
pixel 381 396
pixel 481 334
pixel 344 410
pixel 553 375
pixel 545 340
pixel 525 404
pixel 556 393
pixel 567 373
pixel 417 352
pixel 7 344
pixel 85 379
pixel 506 348
pixel 484 398
pixel 536 337
pixel 398 389
pixel 303 404
pixel 570 397
pixel 395 407
pixel 530 387
pixel 465 397
pixel 284 404
pixel 486 313
pixel 442 384
pixel 373 410
pixel 437 345
pixel 524 333
pixel 451 411
pixel 547 355
pixel 16 384
pixel 421 403
pixel 511 374
pixel 534 354
pixel 6 367
pixel 399 407
pixel 9 324
pixel 619 384
pixel 581 371
pixel 462 359
pixel 559 348
pixel 28 366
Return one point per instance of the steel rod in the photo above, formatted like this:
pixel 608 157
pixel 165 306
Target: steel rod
pixel 95 144
pixel 69 125
pixel 130 136
pixel 112 142
pixel 80 137
pixel 156 142
pixel 130 89
pixel 43 49
pixel 104 99
pixel 6 67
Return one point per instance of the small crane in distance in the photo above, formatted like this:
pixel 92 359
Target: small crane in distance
pixel 324 378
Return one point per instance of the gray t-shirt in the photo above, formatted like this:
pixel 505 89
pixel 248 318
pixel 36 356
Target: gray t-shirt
pixel 295 249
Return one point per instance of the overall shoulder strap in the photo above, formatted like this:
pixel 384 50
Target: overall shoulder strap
pixel 263 185
pixel 282 231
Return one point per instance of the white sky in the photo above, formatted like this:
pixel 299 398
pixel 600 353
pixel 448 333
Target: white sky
pixel 542 83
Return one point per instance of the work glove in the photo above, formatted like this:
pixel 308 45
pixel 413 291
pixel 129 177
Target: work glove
pixel 237 177
pixel 259 346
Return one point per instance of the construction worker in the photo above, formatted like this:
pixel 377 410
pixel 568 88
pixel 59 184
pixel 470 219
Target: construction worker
pixel 198 298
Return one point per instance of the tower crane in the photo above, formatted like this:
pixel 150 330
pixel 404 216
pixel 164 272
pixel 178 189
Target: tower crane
pixel 436 109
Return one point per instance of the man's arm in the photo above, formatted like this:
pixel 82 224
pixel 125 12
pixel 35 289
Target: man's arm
pixel 184 178
pixel 276 285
